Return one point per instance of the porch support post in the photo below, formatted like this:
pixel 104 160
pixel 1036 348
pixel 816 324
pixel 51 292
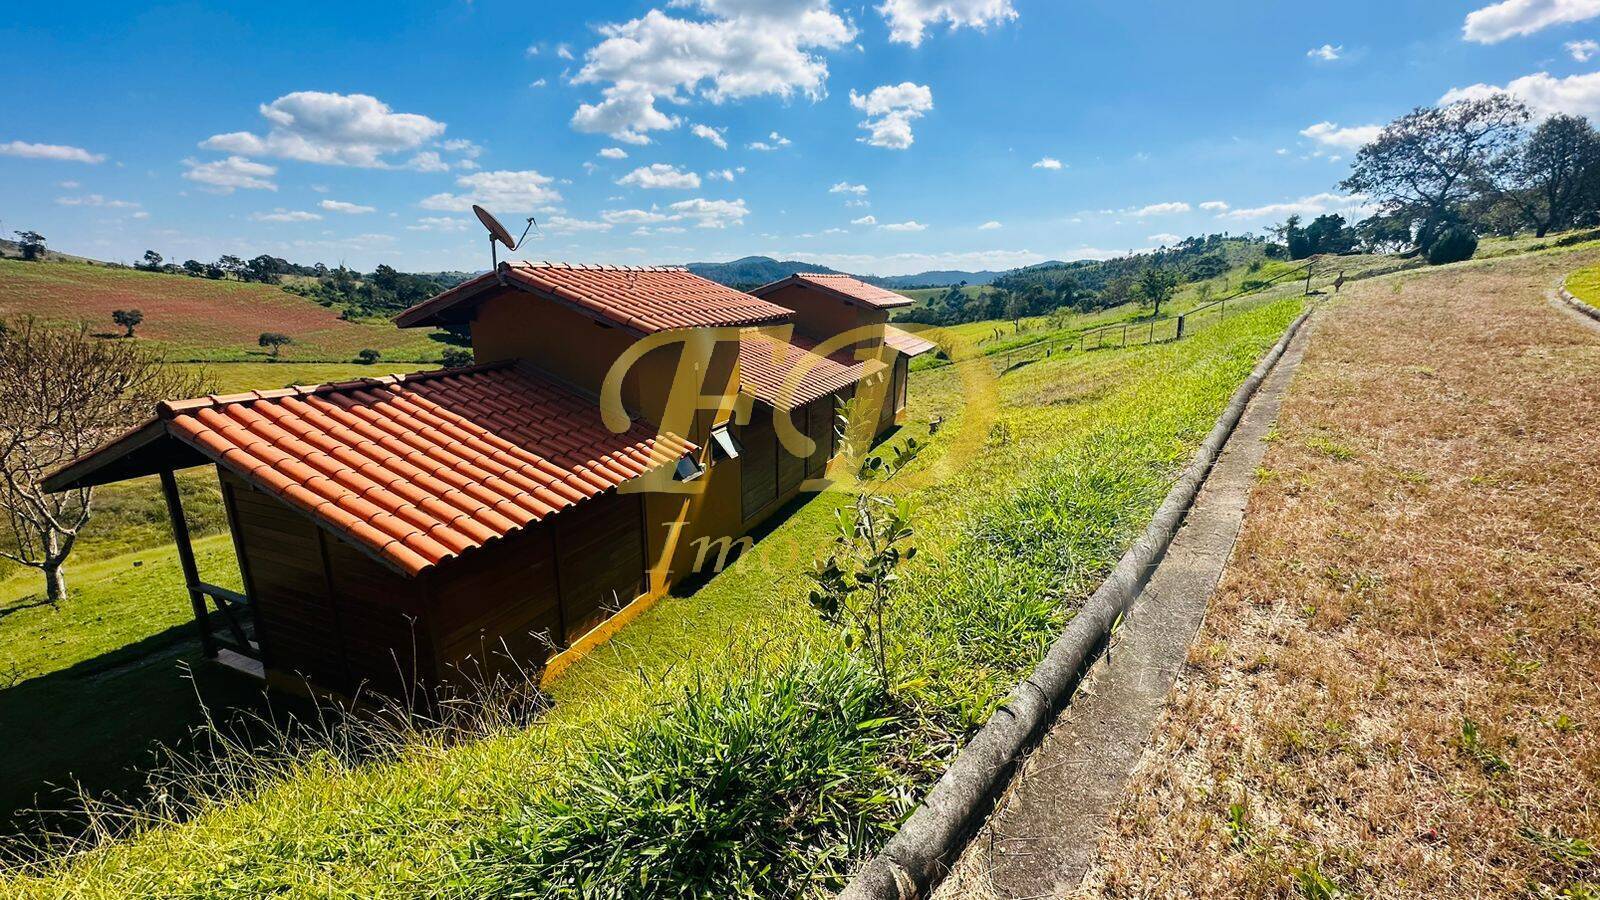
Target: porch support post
pixel 191 573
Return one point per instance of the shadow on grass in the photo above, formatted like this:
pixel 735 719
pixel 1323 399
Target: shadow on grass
pixel 97 724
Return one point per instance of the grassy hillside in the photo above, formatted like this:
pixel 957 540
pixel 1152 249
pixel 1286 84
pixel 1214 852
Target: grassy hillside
pixel 1088 442
pixel 200 319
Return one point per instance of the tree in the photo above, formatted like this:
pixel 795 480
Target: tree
pixel 194 268
pixel 455 357
pixel 274 341
pixel 1427 164
pixel 1156 286
pixel 63 393
pixel 32 244
pixel 152 261
pixel 1016 308
pixel 1553 176
pixel 852 589
pixel 1455 244
pixel 127 318
pixel 231 265
pixel 1327 233
pixel 368 356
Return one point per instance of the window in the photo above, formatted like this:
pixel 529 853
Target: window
pixel 723 444
pixel 688 469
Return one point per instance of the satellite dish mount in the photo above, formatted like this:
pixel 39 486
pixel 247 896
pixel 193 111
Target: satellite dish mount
pixel 498 233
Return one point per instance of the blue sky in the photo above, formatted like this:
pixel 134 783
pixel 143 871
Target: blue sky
pixel 883 138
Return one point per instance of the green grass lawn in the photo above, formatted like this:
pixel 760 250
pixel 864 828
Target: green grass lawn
pixel 1024 499
pixel 1585 285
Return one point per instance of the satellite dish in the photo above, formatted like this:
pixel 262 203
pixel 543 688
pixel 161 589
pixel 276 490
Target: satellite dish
pixel 498 233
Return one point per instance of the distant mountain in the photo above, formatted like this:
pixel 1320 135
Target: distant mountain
pixel 753 271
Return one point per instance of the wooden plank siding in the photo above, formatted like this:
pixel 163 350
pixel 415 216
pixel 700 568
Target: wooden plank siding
pixel 759 466
pixel 600 558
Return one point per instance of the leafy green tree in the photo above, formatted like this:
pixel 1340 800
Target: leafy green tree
pixel 194 268
pixel 31 243
pixel 128 319
pixel 1555 175
pixel 455 357
pixel 1156 286
pixel 368 356
pixel 852 588
pixel 1455 244
pixel 273 341
pixel 1427 165
pixel 152 261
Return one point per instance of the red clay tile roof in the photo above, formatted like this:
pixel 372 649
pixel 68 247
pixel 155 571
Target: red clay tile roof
pixel 646 299
pixel 848 288
pixel 787 375
pixel 905 342
pixel 421 468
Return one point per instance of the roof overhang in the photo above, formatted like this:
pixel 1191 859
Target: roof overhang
pixel 145 450
pixel 802 281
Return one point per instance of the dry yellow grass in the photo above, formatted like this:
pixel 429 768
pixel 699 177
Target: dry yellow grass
pixel 1397 690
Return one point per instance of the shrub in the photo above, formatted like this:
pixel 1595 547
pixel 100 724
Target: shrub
pixel 746 790
pixel 368 356
pixel 1455 245
pixel 454 357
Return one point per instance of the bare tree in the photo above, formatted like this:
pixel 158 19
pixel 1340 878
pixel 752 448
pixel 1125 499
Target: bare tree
pixel 63 393
pixel 1427 164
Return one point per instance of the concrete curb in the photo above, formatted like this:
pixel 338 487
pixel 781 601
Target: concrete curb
pixel 1576 304
pixel 914 860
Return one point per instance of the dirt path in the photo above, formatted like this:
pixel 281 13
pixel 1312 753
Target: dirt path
pixel 1396 691
pixel 1043 834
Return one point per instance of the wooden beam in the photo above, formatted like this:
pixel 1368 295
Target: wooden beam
pixel 191 573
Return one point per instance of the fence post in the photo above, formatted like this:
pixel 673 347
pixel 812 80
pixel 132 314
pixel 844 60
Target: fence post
pixel 1179 335
pixel 1124 334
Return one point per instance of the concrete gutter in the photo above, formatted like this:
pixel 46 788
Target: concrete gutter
pixel 1577 305
pixel 913 861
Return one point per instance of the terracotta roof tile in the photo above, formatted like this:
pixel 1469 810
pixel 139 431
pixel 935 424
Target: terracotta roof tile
pixel 645 299
pixel 846 287
pixel 422 468
pixel 786 374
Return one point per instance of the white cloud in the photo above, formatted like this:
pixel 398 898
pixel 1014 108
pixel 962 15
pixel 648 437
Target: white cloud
pixel 438 223
pixel 1163 209
pixel 1216 206
pixel 565 225
pixel 224 175
pixel 711 213
pixel 909 19
pixel 1578 95
pixel 774 141
pixel 1048 162
pixel 744 48
pixel 1314 205
pixel 614 153
pixel 990 225
pixel 537 83
pixel 511 191
pixel 1326 53
pixel 69 185
pixel 1350 138
pixel 1165 238
pixel 714 135
pixel 912 225
pixel 845 187
pixel 865 220
pixel 463 147
pixel 907 263
pixel 563 51
pixel 428 161
pixel 96 200
pixel 890 110
pixel 660 176
pixel 286 215
pixel 1583 50
pixel 50 151
pixel 336 129
pixel 699 211
pixel 724 174
pixel 1515 18
pixel 349 209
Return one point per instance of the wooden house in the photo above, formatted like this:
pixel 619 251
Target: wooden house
pixel 459 523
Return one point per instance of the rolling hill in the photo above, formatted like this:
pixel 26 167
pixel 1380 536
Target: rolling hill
pixel 199 319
